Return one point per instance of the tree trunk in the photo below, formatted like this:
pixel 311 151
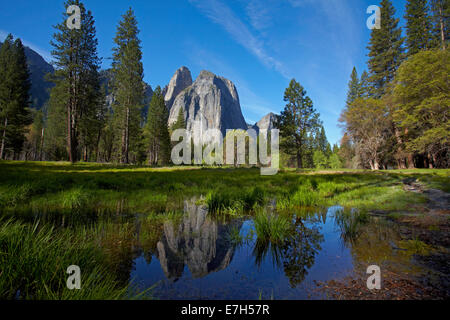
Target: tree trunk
pixel 435 160
pixel 430 161
pixel 441 22
pixel 125 138
pixel 69 133
pixel 42 144
pixel 299 160
pixel 401 162
pixel 2 148
pixel 374 165
pixel 411 164
pixel 71 111
pixel 97 146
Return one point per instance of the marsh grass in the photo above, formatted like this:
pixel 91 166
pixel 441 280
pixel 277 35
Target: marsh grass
pixel 234 201
pixel 14 195
pixel 235 237
pixel 416 246
pixel 350 223
pixel 305 195
pixel 272 228
pixel 93 186
pixel 34 259
pixel 74 202
pixel 75 199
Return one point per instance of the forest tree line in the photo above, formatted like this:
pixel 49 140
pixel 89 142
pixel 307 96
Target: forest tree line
pixel 396 113
pixel 78 123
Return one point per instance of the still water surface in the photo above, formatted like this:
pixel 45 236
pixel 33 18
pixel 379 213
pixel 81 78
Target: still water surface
pixel 200 257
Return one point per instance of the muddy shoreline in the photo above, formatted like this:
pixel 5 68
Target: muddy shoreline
pixel 428 223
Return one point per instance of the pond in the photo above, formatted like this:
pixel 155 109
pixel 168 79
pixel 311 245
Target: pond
pixel 199 255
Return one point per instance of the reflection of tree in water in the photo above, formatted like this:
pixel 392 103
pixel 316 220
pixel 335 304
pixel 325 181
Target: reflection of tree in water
pixel 374 240
pixel 295 254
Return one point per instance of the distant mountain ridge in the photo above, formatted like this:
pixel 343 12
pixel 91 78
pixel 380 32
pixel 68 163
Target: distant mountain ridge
pixel 210 101
pixel 39 68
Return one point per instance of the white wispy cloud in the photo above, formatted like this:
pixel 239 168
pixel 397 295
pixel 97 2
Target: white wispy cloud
pixel 259 14
pixel 221 14
pixel 338 16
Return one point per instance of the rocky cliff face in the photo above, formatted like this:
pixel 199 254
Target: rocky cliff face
pixel 180 81
pixel 266 123
pixel 198 242
pixel 211 102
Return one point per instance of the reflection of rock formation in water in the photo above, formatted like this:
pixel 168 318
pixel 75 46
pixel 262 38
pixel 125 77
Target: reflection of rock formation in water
pixel 198 242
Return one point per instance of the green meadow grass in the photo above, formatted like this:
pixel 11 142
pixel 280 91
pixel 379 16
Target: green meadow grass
pixel 34 260
pixel 51 214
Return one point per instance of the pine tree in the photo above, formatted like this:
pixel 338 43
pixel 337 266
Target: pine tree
pixel 180 123
pixel 21 114
pixel 6 61
pixel 14 97
pixel 385 50
pixel 418 26
pixel 94 106
pixel 364 85
pixel 128 88
pixel 76 77
pixel 296 123
pixel 354 88
pixel 156 130
pixel 322 141
pixel 57 129
pixel 441 21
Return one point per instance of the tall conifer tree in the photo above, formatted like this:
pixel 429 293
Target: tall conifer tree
pixel 156 130
pixel 385 50
pixel 76 77
pixel 364 85
pixel 297 122
pixel 128 87
pixel 441 21
pixel 354 88
pixel 418 26
pixel 14 97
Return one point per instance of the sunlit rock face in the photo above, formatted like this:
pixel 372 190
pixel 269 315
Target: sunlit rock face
pixel 180 81
pixel 198 242
pixel 211 102
pixel 266 123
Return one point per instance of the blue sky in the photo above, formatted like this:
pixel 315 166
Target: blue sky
pixel 258 44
